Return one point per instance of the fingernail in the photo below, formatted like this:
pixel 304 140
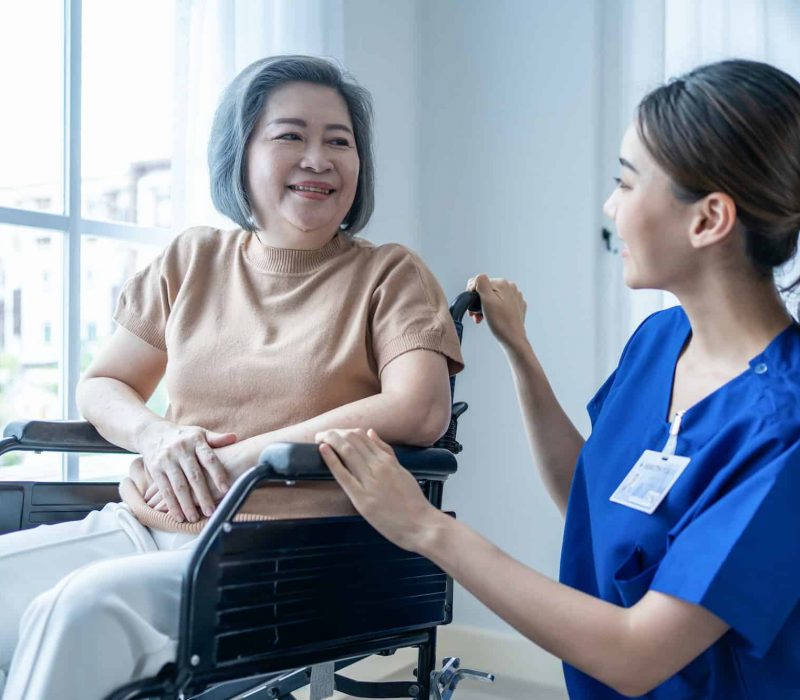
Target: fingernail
pixel 207 511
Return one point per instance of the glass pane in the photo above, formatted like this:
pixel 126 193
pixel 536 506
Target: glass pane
pixel 128 90
pixel 30 340
pixel 105 266
pixel 32 119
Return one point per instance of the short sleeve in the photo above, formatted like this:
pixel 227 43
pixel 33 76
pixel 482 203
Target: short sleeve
pixel 740 557
pixel 409 312
pixel 594 406
pixel 146 299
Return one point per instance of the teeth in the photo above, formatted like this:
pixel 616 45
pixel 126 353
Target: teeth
pixel 303 188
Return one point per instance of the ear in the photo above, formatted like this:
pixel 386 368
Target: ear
pixel 713 221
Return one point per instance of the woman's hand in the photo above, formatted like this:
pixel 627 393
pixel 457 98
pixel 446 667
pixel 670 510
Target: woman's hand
pixel 387 495
pixel 185 473
pixel 503 307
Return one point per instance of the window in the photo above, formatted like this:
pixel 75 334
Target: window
pixel 103 158
pixel 17 302
pixel 85 197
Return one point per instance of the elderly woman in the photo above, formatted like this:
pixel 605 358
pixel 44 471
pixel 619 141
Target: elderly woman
pixel 271 332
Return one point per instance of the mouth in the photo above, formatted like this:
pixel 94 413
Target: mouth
pixel 318 189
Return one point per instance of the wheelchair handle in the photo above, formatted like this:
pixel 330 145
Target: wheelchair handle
pixel 466 301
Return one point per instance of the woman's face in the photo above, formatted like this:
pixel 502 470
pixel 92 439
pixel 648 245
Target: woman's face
pixel 652 223
pixel 302 166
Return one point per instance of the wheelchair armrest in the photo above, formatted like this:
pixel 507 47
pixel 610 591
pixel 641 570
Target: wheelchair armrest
pixel 302 462
pixel 284 461
pixel 55 436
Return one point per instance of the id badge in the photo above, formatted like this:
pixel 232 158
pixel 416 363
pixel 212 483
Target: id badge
pixel 650 480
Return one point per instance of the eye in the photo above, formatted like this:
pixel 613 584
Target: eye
pixel 290 136
pixel 620 184
pixel 340 142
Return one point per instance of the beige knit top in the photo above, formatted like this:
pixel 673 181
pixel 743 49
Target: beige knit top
pixel 258 338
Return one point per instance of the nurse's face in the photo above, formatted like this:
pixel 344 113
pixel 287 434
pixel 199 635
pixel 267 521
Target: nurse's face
pixel 652 223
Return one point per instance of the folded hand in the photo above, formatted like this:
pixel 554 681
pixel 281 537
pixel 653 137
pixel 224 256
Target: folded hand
pixel 185 476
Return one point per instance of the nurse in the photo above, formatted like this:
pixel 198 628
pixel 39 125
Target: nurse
pixel 680 569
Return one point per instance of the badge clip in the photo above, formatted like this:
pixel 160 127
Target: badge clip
pixel 672 440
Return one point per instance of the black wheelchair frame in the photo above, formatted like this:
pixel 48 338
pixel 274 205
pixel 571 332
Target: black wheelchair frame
pixel 264 601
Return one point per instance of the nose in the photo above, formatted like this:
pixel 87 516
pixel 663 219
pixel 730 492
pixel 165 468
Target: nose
pixel 315 159
pixel 610 206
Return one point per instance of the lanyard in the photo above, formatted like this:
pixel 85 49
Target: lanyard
pixel 674 429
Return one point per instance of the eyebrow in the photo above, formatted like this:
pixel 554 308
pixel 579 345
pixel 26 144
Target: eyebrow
pixel 304 124
pixel 627 164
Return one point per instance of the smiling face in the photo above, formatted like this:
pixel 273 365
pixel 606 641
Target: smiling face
pixel 301 166
pixel 653 224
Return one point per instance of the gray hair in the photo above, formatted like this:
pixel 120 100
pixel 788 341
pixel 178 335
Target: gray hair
pixel 242 104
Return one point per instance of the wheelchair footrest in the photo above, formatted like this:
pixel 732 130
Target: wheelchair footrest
pixel 444 682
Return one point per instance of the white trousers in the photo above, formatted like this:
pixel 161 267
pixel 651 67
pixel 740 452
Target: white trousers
pixel 88 606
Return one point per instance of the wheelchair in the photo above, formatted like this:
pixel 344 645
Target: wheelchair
pixel 269 607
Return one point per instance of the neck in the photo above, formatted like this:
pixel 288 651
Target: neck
pixel 733 316
pixel 295 239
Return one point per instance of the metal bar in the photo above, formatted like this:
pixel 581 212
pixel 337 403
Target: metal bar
pixel 33 219
pixel 426 663
pixel 8 445
pixel 377 689
pixel 72 190
pixel 124 232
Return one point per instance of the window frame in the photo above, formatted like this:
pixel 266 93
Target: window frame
pixel 72 226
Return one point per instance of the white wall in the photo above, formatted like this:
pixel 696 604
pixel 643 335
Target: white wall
pixel 487 133
pixel 380 49
pixel 508 123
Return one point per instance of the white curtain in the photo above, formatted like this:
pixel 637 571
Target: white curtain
pixel 645 43
pixel 711 30
pixel 215 39
pixel 632 51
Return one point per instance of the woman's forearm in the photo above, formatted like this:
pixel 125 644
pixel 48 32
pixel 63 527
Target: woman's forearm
pixel 555 441
pixel 117 411
pixel 397 419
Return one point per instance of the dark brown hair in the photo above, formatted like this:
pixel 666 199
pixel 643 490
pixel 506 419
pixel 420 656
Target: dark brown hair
pixel 733 127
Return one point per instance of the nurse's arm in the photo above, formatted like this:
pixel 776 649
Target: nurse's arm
pixel 553 438
pixel 632 650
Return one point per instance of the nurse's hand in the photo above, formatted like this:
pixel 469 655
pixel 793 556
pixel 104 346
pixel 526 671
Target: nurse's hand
pixel 385 493
pixel 503 307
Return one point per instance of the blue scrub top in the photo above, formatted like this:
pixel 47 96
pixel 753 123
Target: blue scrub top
pixel 727 535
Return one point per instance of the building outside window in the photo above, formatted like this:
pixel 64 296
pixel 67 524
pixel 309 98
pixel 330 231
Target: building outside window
pixel 94 119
